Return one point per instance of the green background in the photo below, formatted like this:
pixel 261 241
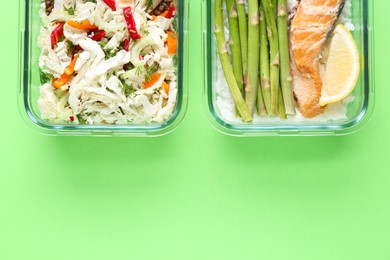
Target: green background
pixel 194 194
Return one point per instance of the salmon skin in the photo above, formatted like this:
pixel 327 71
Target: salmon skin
pixel 310 27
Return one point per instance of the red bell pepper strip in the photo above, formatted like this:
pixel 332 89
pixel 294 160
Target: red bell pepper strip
pixel 111 4
pixel 98 35
pixel 170 12
pixel 77 49
pixel 131 26
pixel 126 45
pixel 56 34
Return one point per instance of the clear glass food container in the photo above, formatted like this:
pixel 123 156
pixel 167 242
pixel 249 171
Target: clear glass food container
pixel 358 111
pixel 29 81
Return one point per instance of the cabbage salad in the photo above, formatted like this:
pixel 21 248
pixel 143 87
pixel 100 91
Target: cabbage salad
pixel 107 61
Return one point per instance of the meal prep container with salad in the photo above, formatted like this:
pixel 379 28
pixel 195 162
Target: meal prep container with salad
pixel 343 118
pixel 31 82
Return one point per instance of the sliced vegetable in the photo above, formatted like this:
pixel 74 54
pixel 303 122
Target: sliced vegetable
pixel 171 42
pixel 98 35
pixel 153 80
pixel 84 25
pixel 132 76
pixel 111 4
pixel 45 77
pixel 165 14
pixel 138 47
pixel 77 49
pixel 131 25
pixel 126 45
pixel 166 87
pixel 56 34
pixel 65 77
pixel 169 15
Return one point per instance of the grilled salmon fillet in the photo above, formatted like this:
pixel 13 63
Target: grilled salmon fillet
pixel 309 30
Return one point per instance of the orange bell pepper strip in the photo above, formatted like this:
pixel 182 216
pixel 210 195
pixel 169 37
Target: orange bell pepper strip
pixel 153 80
pixel 171 43
pixel 65 77
pixel 166 87
pixel 164 14
pixel 83 25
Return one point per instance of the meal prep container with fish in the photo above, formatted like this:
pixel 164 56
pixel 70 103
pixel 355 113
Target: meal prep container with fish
pixel 29 81
pixel 358 112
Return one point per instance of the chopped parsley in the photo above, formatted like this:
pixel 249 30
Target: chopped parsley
pixel 45 77
pixel 102 43
pixel 81 119
pixel 144 32
pixel 174 60
pixel 138 71
pixel 150 71
pixel 149 4
pixel 128 89
pixel 70 10
pixel 120 109
pixel 109 53
pixel 71 47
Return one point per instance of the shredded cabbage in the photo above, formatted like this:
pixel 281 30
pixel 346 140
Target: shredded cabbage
pixel 107 86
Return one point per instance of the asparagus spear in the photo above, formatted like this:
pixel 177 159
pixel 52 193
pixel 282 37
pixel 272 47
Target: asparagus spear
pixel 282 108
pixel 260 102
pixel 235 45
pixel 285 76
pixel 243 26
pixel 275 2
pixel 225 62
pixel 274 53
pixel 264 63
pixel 251 88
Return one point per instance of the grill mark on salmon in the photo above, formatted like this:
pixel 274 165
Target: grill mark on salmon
pixel 310 27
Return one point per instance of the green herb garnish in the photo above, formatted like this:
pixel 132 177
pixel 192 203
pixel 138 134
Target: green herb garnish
pixel 149 4
pixel 45 77
pixel 81 119
pixel 70 10
pixel 109 53
pixel 71 47
pixel 150 71
pixel 128 89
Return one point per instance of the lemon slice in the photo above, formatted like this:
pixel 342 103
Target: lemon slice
pixel 342 68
